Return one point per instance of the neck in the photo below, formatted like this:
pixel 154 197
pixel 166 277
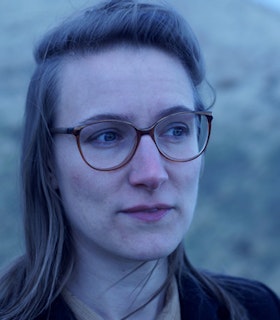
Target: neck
pixel 114 289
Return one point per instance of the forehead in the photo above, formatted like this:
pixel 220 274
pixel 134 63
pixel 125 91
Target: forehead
pixel 138 82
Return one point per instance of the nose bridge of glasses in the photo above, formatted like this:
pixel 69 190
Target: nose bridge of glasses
pixel 146 132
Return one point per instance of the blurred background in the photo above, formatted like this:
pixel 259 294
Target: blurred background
pixel 236 229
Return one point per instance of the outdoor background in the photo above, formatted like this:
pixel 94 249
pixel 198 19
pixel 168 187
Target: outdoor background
pixel 236 229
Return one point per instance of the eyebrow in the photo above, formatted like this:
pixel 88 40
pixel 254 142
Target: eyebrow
pixel 175 109
pixel 105 116
pixel 127 118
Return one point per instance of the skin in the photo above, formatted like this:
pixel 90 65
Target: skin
pixel 112 229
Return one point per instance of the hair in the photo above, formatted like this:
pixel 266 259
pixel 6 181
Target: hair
pixel 37 278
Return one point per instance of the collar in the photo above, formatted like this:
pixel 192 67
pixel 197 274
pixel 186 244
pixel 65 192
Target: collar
pixel 171 310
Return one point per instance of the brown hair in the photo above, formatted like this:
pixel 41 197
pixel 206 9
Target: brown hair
pixel 37 278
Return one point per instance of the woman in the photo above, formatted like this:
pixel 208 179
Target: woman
pixel 115 129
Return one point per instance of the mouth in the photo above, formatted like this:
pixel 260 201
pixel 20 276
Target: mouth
pixel 148 213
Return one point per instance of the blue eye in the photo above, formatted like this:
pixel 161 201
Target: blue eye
pixel 103 138
pixel 109 136
pixel 177 131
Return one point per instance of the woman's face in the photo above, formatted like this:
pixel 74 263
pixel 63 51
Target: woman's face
pixel 142 210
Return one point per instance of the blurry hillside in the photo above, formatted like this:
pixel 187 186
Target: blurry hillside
pixel 237 225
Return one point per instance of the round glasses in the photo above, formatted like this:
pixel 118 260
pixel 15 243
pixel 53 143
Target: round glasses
pixel 110 144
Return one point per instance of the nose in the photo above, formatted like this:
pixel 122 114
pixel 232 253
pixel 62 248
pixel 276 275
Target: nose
pixel 147 166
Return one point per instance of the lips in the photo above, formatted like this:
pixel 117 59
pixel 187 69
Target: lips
pixel 151 213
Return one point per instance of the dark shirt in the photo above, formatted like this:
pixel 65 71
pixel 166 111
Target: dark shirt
pixel 258 300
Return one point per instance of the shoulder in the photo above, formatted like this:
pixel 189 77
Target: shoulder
pixel 259 300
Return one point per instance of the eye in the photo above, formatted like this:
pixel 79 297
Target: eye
pixel 109 137
pixel 176 131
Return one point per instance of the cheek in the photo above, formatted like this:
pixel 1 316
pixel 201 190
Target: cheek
pixel 72 178
pixel 188 174
pixel 83 189
pixel 187 188
pixel 81 200
pixel 72 174
pixel 76 185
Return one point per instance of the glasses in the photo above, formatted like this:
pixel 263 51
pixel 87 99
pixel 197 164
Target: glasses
pixel 110 144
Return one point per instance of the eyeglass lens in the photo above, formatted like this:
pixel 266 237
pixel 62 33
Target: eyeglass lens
pixel 111 143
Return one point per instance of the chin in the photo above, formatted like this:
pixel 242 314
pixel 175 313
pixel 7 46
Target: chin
pixel 155 253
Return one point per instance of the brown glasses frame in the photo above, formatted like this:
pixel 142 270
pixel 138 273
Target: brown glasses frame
pixel 140 132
